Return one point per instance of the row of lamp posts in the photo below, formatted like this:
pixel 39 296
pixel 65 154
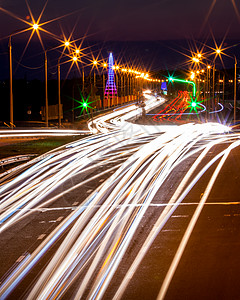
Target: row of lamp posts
pixel 196 60
pixel 131 84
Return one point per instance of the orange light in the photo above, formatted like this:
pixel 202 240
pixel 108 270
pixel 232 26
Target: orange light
pixel 105 65
pixel 66 43
pixel 35 26
pixel 77 51
pixel 95 62
pixel 196 60
pixel 75 58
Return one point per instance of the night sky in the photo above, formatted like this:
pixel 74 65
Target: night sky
pixel 135 20
pixel 152 31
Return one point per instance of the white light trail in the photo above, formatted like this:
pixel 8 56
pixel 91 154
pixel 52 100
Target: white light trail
pixel 18 133
pixel 101 228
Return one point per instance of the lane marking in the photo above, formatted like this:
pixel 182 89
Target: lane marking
pixel 20 258
pixel 41 236
pixel 168 230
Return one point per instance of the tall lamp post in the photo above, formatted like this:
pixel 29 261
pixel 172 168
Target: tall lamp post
pixel 10 80
pixel 95 63
pixel 33 27
pixel 66 44
pixel 46 88
pixel 235 89
pixel 103 78
pixel 59 93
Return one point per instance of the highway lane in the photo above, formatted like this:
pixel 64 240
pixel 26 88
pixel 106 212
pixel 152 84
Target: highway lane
pixel 95 236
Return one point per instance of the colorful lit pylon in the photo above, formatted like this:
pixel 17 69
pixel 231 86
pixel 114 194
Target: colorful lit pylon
pixel 110 90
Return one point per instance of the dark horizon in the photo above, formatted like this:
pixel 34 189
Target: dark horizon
pixel 145 55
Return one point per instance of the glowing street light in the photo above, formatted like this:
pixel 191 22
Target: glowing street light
pixel 192 75
pixel 35 26
pixel 67 43
pixel 196 60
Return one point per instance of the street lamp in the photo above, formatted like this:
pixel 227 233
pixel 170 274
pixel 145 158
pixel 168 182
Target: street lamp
pixel 105 65
pixel 235 89
pixel 94 75
pixel 66 44
pixel 59 93
pixel 46 89
pixel 10 80
pixel 218 52
pixel 34 27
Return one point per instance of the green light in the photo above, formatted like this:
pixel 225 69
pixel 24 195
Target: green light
pixel 185 81
pixel 84 104
pixel 193 104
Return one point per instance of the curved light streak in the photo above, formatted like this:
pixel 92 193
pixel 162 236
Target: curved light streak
pixel 101 228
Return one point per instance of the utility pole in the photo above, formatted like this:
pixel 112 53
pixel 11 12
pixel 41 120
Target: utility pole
pixel 46 89
pixel 59 95
pixel 235 89
pixel 10 80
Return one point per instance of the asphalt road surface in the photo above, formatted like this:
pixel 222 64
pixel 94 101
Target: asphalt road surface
pixel 130 213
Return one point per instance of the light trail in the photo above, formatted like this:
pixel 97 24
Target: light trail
pixel 219 110
pixel 192 223
pixel 97 232
pixel 18 133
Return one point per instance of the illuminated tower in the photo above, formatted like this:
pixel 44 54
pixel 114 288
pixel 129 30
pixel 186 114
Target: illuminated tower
pixel 110 90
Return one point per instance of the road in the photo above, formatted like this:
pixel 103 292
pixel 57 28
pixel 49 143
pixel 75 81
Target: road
pixel 133 212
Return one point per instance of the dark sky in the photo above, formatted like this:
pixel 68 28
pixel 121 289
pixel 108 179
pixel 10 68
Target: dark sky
pixel 156 32
pixel 132 19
